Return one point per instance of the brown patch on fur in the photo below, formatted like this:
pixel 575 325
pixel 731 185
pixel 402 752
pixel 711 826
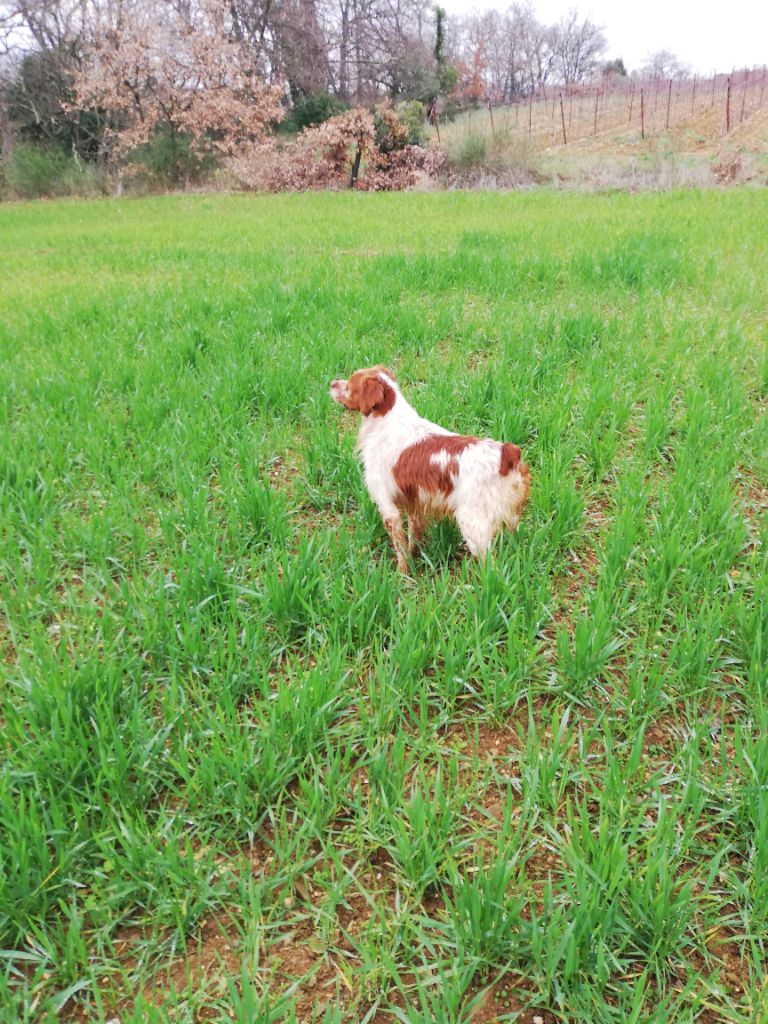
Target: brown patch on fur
pixel 370 393
pixel 510 458
pixel 415 471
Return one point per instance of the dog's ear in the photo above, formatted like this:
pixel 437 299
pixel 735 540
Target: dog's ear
pixel 377 396
pixel 372 395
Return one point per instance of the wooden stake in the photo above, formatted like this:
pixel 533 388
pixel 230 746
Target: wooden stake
pixel 530 115
pixel 490 111
pixel 562 118
pixel 631 101
pixel 642 113
pixel 728 106
pixel 693 95
pixel 669 103
pixel 744 98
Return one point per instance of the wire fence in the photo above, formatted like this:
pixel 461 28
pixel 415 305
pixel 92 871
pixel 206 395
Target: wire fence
pixel 634 109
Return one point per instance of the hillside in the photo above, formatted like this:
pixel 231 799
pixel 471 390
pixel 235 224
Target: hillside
pixel 683 133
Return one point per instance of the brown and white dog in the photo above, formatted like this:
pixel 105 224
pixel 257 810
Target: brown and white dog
pixel 414 466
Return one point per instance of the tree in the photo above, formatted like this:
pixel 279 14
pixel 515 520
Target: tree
pixel 446 73
pixel 300 48
pixel 471 82
pixel 614 69
pixel 577 46
pixel 664 64
pixel 537 45
pixel 39 104
pixel 40 44
pixel 182 73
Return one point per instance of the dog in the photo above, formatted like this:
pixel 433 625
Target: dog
pixel 415 467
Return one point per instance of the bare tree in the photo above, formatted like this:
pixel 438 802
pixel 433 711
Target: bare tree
pixel 537 44
pixel 578 46
pixel 517 50
pixel 664 64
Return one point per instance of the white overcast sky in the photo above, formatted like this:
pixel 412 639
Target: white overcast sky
pixel 704 34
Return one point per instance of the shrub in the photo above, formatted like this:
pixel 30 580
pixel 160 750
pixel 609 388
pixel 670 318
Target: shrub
pixel 413 117
pixel 368 151
pixel 502 160
pixel 35 172
pixel 311 110
pixel 472 152
pixel 169 159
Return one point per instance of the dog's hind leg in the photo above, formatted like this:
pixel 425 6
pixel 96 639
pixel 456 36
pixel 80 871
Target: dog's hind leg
pixel 394 527
pixel 416 525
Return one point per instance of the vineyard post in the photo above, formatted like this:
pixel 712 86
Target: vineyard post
pixel 562 118
pixel 490 111
pixel 728 106
pixel 530 114
pixel 631 101
pixel 714 79
pixel 744 97
pixel 693 95
pixel 669 103
pixel 642 113
pixel 762 87
pixel 597 97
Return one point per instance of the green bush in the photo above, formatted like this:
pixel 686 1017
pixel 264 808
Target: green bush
pixel 167 160
pixel 471 152
pixel 35 172
pixel 413 116
pixel 311 110
pixel 501 159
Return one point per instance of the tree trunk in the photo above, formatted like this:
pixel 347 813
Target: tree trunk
pixel 356 166
pixel 344 54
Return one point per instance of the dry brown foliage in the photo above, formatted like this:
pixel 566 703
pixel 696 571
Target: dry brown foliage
pixel 325 155
pixel 157 68
pixel 390 172
pixel 727 170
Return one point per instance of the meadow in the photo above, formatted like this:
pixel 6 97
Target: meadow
pixel 252 773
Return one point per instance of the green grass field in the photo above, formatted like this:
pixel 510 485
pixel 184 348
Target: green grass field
pixel 250 772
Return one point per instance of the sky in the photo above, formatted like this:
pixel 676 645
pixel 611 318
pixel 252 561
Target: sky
pixel 706 35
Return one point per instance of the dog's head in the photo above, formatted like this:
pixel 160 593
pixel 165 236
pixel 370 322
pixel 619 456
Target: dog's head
pixel 370 391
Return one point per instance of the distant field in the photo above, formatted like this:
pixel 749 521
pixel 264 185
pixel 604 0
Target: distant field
pixel 253 774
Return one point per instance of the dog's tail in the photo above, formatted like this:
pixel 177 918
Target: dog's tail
pixel 510 458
